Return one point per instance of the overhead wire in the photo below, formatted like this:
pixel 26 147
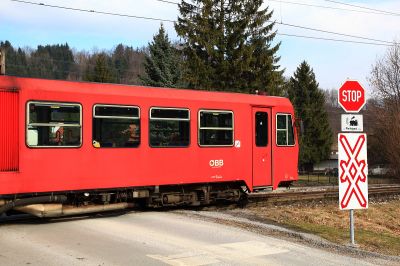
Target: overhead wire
pixel 305 27
pixel 364 7
pixel 331 32
pixel 379 42
pixel 331 39
pixel 330 7
pixel 93 11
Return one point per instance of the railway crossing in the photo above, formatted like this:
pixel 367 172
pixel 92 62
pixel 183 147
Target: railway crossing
pixel 352 150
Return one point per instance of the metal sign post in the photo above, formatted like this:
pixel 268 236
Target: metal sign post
pixel 352 150
pixel 353 243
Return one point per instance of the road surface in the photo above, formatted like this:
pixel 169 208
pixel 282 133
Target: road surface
pixel 151 238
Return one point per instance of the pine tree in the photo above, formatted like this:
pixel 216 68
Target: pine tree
pixel 101 72
pixel 162 65
pixel 228 46
pixel 16 60
pixel 120 62
pixel 51 61
pixel 309 102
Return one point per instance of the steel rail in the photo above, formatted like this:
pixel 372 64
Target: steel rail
pixel 316 194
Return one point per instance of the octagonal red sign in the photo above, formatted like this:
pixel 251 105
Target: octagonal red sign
pixel 351 96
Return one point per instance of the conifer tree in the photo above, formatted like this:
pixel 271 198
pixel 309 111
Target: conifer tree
pixel 120 62
pixel 228 46
pixel 101 72
pixel 15 60
pixel 309 102
pixel 51 61
pixel 162 65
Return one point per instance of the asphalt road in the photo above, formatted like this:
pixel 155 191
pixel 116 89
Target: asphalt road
pixel 151 238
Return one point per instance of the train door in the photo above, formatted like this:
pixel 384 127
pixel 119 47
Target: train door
pixel 262 155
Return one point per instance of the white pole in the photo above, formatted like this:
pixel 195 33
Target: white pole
pixel 352 227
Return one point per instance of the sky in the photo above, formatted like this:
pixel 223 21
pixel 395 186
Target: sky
pixel 27 25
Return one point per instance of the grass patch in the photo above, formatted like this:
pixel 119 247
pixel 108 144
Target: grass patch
pixel 376 229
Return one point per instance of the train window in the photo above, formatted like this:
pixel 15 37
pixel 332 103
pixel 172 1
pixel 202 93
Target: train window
pixel 116 126
pixel 284 130
pixel 261 120
pixel 54 124
pixel 169 127
pixel 215 128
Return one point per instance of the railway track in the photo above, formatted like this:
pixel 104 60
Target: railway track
pixel 327 193
pixel 266 197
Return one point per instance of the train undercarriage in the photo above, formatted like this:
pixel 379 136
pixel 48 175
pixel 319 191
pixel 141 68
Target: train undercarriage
pixel 92 201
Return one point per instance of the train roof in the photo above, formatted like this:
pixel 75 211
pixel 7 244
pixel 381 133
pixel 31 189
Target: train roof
pixel 107 89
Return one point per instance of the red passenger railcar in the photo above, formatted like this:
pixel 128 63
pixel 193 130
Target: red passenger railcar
pixel 69 143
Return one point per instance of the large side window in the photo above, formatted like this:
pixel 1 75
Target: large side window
pixel 169 127
pixel 215 128
pixel 116 126
pixel 284 130
pixel 54 124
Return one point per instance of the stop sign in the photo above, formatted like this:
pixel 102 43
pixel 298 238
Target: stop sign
pixel 351 96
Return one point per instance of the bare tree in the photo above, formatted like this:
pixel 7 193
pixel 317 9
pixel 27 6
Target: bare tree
pixel 331 97
pixel 385 81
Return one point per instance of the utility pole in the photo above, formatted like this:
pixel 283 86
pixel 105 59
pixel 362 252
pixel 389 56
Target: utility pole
pixel 2 61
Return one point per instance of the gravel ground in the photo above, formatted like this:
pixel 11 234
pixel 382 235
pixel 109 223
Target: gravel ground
pixel 244 219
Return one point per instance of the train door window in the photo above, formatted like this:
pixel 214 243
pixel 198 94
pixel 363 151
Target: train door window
pixel 53 124
pixel 284 130
pixel 215 128
pixel 169 127
pixel 116 126
pixel 261 129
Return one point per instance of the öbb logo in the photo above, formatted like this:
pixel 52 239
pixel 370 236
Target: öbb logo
pixel 216 163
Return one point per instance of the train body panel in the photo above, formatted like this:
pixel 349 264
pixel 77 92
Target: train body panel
pixel 86 167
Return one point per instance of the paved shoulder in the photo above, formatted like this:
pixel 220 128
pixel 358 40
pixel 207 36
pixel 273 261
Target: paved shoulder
pixel 151 238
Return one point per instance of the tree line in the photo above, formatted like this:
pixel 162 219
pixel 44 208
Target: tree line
pixel 123 64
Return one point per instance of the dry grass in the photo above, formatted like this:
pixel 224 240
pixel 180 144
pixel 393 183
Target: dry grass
pixel 376 229
pixel 321 179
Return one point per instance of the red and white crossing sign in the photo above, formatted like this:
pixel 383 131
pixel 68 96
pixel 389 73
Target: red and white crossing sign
pixel 351 96
pixel 353 170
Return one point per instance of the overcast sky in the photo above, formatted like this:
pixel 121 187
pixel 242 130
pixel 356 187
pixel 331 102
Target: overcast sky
pixel 333 62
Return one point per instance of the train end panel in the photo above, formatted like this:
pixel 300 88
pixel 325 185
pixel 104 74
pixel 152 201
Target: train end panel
pixel 9 131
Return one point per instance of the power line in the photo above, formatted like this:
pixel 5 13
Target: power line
pixel 314 29
pixel 363 7
pixel 330 7
pixel 168 2
pixel 331 32
pixel 380 42
pixel 371 11
pixel 332 39
pixel 93 11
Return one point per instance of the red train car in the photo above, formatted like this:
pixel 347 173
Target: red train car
pixel 87 144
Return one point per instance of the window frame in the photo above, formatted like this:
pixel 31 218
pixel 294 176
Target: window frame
pixel 54 124
pixel 169 119
pixel 116 117
pixel 268 127
pixel 287 130
pixel 215 128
